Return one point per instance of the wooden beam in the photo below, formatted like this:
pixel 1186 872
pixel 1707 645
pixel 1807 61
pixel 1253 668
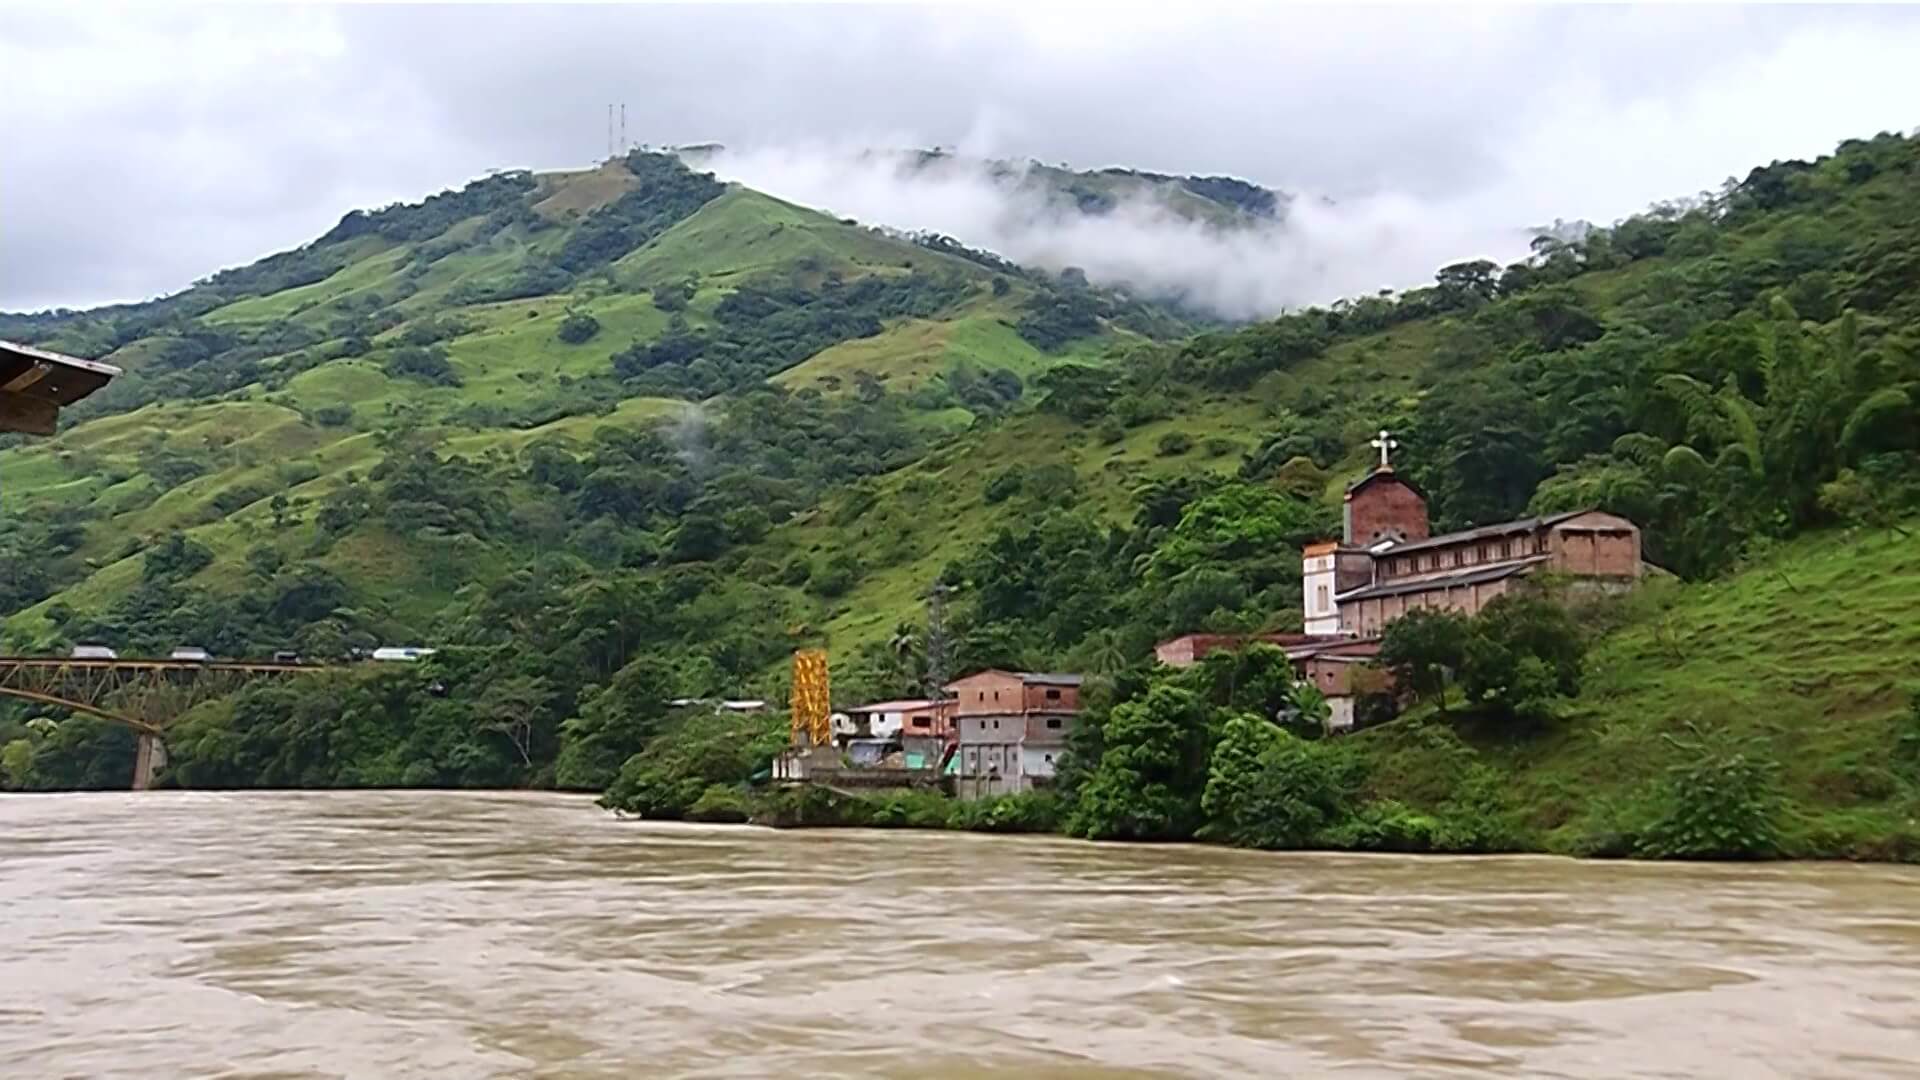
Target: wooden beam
pixel 31 415
pixel 27 378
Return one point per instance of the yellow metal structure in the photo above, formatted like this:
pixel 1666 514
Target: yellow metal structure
pixel 812 702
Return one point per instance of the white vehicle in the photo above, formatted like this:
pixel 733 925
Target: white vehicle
pixel 94 652
pixel 190 652
pixel 407 653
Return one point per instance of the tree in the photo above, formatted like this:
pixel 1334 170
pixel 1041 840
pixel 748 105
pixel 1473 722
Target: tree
pixel 1268 789
pixel 1148 782
pixel 614 722
pixel 1422 647
pixel 514 707
pixel 1465 284
pixel 578 327
pixel 1524 653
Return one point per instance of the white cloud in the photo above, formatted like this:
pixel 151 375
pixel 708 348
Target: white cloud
pixel 146 149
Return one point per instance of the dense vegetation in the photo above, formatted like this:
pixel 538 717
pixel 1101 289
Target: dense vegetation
pixel 365 442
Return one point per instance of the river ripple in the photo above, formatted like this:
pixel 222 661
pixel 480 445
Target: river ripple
pixel 456 935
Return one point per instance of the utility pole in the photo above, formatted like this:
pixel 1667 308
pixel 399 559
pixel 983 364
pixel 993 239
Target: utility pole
pixel 937 658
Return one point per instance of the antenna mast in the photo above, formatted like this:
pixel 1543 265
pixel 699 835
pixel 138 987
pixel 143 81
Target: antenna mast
pixel 609 130
pixel 937 641
pixel 624 147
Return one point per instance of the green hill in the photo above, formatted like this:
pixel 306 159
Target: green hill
pixel 773 428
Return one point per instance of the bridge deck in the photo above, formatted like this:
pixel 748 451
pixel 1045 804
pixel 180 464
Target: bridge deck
pixel 137 663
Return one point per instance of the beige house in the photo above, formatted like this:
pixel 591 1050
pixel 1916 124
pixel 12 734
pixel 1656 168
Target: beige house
pixel 1012 729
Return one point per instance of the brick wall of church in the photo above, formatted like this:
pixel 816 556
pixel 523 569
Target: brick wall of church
pixel 1385 507
pixel 1596 544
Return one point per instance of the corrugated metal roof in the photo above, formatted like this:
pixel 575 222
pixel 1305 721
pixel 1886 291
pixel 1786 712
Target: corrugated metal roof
pixel 1476 576
pixel 1483 532
pixel 904 705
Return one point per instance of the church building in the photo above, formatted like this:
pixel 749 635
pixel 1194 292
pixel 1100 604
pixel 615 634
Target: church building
pixel 1387 563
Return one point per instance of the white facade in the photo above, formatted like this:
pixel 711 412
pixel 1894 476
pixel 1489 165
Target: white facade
pixel 1340 712
pixel 1040 761
pixel 1321 613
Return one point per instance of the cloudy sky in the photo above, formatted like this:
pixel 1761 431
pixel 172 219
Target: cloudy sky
pixel 148 147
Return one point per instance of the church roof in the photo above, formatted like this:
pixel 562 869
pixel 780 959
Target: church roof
pixel 1478 575
pixel 1383 474
pixel 1484 532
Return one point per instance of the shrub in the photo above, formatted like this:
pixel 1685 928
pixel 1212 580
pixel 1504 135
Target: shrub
pixel 333 415
pixel 1386 825
pixel 1109 431
pixel 578 327
pixel 837 576
pixel 1479 817
pixel 1004 484
pixel 909 810
pixel 721 803
pixel 1175 443
pixel 1720 802
pixel 1906 745
pixel 429 365
pixel 1030 812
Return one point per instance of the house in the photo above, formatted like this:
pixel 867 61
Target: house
pixel 1387 563
pixel 1011 729
pixel 887 719
pixel 1330 662
pixel 1189 649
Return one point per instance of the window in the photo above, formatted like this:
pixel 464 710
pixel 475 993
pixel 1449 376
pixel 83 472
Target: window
pixel 1320 602
pixel 996 695
pixel 996 725
pixel 980 695
pixel 1053 695
pixel 1053 722
pixel 1049 759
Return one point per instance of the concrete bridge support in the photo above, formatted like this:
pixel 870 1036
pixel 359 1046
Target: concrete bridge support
pixel 152 757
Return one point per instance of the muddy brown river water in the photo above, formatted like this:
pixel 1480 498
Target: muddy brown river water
pixel 444 935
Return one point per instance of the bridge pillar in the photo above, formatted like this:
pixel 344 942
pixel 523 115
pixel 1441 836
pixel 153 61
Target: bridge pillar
pixel 147 763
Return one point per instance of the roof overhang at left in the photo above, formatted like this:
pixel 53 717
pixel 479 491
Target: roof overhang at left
pixel 36 383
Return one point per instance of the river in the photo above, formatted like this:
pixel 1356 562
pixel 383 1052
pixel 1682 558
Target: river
pixel 461 935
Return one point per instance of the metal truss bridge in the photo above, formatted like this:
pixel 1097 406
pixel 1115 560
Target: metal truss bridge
pixel 144 695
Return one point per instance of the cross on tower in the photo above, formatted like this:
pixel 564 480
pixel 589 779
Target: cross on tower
pixel 1386 444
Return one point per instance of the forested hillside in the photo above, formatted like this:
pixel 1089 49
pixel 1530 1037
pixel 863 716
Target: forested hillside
pixel 624 436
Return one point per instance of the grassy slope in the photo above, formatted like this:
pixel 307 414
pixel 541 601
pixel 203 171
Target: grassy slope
pixel 931 513
pixel 1810 655
pixel 510 355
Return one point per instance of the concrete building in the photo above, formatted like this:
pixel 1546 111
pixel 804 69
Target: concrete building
pixel 887 719
pixel 1011 728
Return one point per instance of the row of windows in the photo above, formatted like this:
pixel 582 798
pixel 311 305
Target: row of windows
pixel 981 695
pixel 1486 551
pixel 1053 722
